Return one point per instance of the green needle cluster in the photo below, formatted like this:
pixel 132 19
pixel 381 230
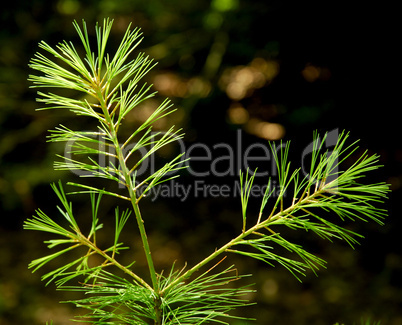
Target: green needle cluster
pixel 107 89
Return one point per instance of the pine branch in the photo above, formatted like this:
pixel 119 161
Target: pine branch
pixel 75 239
pixel 326 189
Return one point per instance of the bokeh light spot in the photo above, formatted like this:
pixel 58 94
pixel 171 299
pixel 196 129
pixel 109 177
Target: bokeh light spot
pixel 265 130
pixel 224 5
pixel 68 7
pixel 312 73
pixel 237 114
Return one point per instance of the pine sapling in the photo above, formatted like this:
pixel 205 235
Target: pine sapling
pixel 107 89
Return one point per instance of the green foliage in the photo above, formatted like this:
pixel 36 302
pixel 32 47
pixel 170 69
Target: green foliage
pixel 109 90
pixel 201 300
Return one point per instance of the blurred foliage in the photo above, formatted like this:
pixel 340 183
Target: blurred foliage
pixel 274 70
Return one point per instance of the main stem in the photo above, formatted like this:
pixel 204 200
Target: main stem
pixel 128 181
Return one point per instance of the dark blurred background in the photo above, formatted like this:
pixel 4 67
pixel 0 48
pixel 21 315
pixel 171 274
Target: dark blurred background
pixel 272 69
